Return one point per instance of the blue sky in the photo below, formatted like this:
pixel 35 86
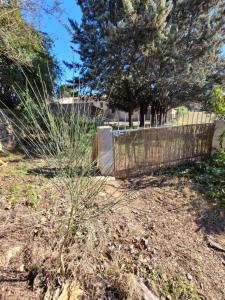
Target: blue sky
pixel 62 49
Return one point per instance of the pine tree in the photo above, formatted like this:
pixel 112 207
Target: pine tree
pixel 150 52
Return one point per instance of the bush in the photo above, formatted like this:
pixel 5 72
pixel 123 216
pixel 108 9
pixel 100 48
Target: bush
pixel 218 102
pixel 63 141
pixel 182 111
pixel 209 174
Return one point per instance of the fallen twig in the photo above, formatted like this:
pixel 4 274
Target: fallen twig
pixel 215 245
pixel 147 294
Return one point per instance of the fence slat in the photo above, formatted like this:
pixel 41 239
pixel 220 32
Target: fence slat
pixel 145 150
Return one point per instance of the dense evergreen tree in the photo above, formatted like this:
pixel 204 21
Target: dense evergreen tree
pixel 156 52
pixel 67 90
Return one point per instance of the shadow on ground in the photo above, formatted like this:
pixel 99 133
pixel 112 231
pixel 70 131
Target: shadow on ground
pixel 57 172
pixel 210 217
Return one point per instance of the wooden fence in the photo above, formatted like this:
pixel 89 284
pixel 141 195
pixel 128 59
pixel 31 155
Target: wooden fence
pixel 94 153
pixel 145 150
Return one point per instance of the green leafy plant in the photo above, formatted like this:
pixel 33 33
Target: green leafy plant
pixel 218 101
pixel 209 174
pixel 32 195
pixel 182 111
pixel 15 191
pixel 218 106
pixel 180 288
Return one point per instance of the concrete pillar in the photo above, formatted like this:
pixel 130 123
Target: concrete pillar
pixel 105 150
pixel 219 129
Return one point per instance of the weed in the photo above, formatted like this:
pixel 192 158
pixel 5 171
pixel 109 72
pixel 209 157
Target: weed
pixel 209 174
pixel 156 274
pixel 16 171
pixel 16 191
pixel 63 139
pixel 32 195
pixel 14 156
pixel 179 288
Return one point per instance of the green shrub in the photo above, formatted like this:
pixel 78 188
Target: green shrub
pixel 209 175
pixel 32 195
pixel 16 193
pixel 182 111
pixel 218 101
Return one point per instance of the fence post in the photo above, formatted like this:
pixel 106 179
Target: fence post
pixel 105 150
pixel 219 129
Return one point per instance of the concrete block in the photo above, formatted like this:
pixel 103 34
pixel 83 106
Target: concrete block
pixel 105 150
pixel 219 129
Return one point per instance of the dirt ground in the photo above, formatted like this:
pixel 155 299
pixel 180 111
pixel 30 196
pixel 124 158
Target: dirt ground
pixel 165 233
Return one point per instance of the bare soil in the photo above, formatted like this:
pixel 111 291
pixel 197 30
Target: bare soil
pixel 166 234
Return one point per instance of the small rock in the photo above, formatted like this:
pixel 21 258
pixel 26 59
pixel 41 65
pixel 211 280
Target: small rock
pixel 144 242
pixel 189 277
pixel 35 232
pixel 133 249
pixel 12 253
pixel 43 220
pixel 22 268
pixel 56 294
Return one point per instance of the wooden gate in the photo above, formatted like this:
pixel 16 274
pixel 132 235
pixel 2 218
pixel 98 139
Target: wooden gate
pixel 145 150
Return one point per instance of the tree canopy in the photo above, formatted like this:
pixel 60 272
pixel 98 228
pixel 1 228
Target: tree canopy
pixel 25 58
pixel 150 52
pixel 218 101
pixel 67 90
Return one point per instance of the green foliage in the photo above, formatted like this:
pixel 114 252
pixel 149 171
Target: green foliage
pixel 19 42
pixel 15 191
pixel 18 171
pixel 176 287
pixel 218 106
pixel 218 101
pixel 19 192
pixel 24 56
pixel 221 139
pixel 179 288
pixel 63 139
pixel 209 175
pixel 67 90
pixel 32 197
pixel 141 53
pixel 182 111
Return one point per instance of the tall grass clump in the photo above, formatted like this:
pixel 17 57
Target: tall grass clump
pixel 62 137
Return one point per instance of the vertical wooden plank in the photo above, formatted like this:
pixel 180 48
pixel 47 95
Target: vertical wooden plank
pixel 140 151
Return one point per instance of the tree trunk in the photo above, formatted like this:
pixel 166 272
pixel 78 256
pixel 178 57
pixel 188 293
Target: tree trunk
pixel 130 118
pixel 165 116
pixel 160 116
pixel 152 116
pixel 143 111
